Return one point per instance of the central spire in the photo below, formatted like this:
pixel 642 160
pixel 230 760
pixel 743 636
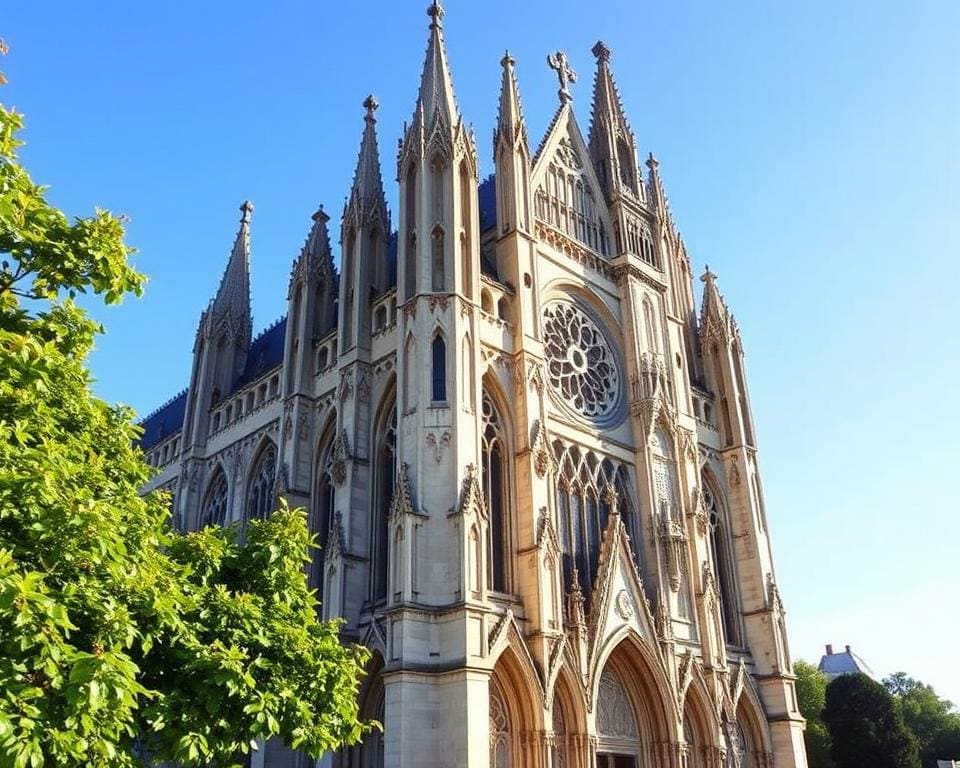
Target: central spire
pixel 436 97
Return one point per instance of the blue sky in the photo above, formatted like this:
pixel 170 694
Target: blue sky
pixel 810 152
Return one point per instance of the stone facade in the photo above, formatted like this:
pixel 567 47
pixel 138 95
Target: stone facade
pixel 529 461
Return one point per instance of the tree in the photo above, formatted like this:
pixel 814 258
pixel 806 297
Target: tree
pixel 811 697
pixel 932 720
pixel 865 726
pixel 120 637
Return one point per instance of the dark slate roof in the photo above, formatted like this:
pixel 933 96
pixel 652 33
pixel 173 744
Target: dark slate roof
pixel 487 199
pixel 165 421
pixel 266 353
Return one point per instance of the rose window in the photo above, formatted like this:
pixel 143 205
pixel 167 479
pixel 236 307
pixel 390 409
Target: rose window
pixel 581 364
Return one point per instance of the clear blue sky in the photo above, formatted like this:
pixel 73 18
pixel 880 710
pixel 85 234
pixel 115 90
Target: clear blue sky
pixel 810 151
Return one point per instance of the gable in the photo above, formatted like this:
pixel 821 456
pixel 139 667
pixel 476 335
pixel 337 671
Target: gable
pixel 567 193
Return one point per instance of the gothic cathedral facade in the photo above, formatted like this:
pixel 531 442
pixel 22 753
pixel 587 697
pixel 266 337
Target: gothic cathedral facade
pixel 530 463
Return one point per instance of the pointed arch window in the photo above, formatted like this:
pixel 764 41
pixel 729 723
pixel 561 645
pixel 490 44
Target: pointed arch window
pixel 214 509
pixel 565 200
pixel 559 736
pixel 438 388
pixel 583 510
pixel 466 234
pixel 261 496
pixel 324 500
pixel 721 560
pixel 385 477
pixel 348 283
pixel 501 733
pixel 495 489
pixel 410 236
pixel 438 278
pixel 618 736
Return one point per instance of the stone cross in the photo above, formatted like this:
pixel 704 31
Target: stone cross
pixel 558 61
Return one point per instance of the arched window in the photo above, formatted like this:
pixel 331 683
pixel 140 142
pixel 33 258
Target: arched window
pixel 385 476
pixel 501 734
pixel 261 497
pixel 466 235
pixel 664 475
pixel 495 487
pixel 650 323
pixel 583 510
pixel 438 280
pixel 566 201
pixel 348 260
pixel 720 559
pixel 438 389
pixel 323 507
pixel 410 236
pixel 214 509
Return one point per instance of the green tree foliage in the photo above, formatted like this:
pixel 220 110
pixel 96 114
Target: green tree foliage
pixel 811 697
pixel 866 728
pixel 933 721
pixel 119 636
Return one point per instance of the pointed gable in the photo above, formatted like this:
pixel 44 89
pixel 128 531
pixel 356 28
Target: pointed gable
pixel 568 195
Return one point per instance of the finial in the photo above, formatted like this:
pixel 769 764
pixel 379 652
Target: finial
pixel 321 215
pixel 246 209
pixel 601 51
pixel 558 61
pixel 708 276
pixel 652 162
pixel 370 104
pixel 507 60
pixel 435 12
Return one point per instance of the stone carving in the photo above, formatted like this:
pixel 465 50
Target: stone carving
pixel 438 442
pixel 543 459
pixel 614 711
pixel 624 605
pixel 303 427
pixel 561 65
pixel 346 387
pixel 673 540
pixel 402 503
pixel 339 456
pixel 471 497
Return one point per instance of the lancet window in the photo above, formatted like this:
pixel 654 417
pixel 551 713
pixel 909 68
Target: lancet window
pixel 618 737
pixel 565 201
pixel 214 510
pixel 720 557
pixel 495 486
pixel 583 509
pixel 324 498
pixel 385 440
pixel 664 475
pixel 438 389
pixel 261 496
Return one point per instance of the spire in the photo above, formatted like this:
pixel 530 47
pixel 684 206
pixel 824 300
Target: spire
pixel 715 319
pixel 612 144
pixel 366 195
pixel 510 124
pixel 232 302
pixel 317 249
pixel 607 107
pixel 436 87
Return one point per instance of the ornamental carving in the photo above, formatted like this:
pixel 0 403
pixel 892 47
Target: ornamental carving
pixel 615 712
pixel 438 442
pixel 340 455
pixel 624 605
pixel 582 367
pixel 542 457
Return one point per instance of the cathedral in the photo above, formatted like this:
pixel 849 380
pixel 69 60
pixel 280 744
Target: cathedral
pixel 528 459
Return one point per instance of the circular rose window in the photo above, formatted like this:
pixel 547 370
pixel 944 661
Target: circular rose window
pixel 581 363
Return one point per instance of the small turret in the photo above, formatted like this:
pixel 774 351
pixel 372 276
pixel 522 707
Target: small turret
pixel 365 234
pixel 511 152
